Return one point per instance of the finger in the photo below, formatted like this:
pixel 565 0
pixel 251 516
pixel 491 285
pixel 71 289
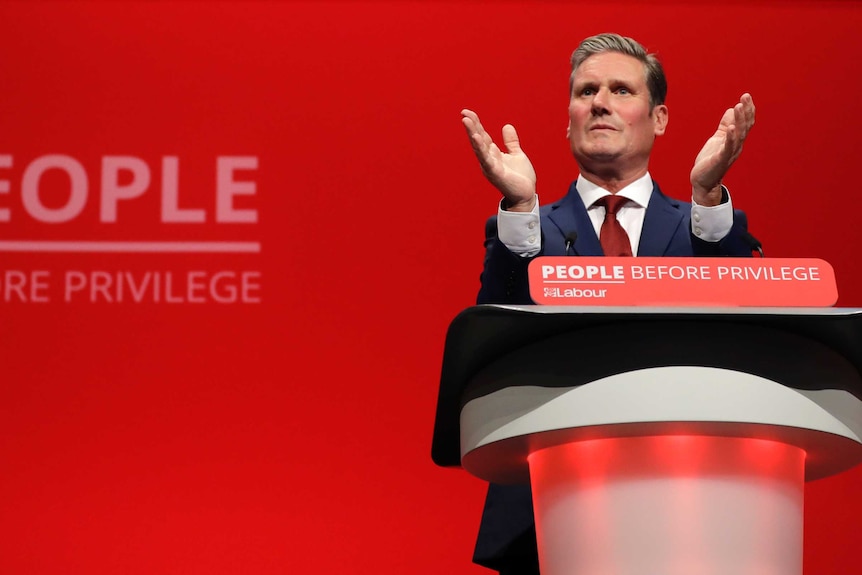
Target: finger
pixel 749 109
pixel 479 138
pixel 743 119
pixel 739 120
pixel 471 125
pixel 510 139
pixel 728 118
pixel 471 122
pixel 490 161
pixel 471 115
pixel 746 104
pixel 732 143
pixel 481 147
pixel 489 154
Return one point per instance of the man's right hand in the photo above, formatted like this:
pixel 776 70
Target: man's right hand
pixel 511 171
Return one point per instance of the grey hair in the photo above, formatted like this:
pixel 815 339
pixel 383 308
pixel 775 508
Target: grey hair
pixel 609 42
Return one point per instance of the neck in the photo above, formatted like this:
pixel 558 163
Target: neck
pixel 610 178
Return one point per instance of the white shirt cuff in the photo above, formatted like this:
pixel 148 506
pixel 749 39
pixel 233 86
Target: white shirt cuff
pixel 712 223
pixel 521 232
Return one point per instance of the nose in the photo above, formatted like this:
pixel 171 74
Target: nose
pixel 600 103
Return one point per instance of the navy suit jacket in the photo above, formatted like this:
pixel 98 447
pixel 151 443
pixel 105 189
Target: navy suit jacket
pixel 507 534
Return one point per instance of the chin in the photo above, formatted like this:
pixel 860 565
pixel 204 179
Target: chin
pixel 601 155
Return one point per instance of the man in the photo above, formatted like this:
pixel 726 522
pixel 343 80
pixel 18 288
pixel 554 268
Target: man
pixel 616 110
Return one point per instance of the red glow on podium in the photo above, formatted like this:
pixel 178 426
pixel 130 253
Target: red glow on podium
pixel 669 504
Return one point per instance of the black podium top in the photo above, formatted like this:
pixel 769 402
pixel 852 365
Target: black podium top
pixel 802 348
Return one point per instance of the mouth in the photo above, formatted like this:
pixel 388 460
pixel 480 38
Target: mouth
pixel 601 127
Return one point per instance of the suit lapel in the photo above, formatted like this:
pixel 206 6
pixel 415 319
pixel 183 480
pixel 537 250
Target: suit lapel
pixel 661 221
pixel 570 215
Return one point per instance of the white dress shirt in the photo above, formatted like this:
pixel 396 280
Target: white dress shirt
pixel 521 232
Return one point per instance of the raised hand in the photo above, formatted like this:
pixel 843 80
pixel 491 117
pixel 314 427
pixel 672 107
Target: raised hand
pixel 720 151
pixel 511 171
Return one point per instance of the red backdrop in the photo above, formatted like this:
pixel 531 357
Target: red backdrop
pixel 285 427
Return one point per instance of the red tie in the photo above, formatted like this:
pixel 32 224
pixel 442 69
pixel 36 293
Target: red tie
pixel 614 239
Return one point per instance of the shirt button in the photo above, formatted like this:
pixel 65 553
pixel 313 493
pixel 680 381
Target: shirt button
pixel 698 231
pixel 697 217
pixel 531 240
pixel 532 225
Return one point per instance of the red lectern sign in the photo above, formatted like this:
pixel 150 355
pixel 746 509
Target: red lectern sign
pixel 602 281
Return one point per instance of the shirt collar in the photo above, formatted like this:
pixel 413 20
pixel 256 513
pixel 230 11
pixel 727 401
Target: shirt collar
pixel 638 191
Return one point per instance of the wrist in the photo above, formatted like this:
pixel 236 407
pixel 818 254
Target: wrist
pixel 708 197
pixel 519 206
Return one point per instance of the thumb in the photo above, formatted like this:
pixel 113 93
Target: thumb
pixel 510 139
pixel 727 119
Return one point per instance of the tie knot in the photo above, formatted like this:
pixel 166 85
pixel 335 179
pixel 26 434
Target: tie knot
pixel 613 203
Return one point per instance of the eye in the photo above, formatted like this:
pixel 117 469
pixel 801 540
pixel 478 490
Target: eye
pixel 624 91
pixel 587 92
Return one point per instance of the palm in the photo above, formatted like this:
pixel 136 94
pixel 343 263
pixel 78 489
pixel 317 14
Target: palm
pixel 724 147
pixel 510 171
pixel 709 166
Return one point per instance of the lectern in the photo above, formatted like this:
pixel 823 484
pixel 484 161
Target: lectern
pixel 658 441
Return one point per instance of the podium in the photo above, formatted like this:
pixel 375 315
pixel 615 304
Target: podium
pixel 658 441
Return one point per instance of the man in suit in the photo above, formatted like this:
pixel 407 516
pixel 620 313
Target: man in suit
pixel 616 110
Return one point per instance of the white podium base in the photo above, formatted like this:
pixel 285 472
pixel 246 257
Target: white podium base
pixel 669 505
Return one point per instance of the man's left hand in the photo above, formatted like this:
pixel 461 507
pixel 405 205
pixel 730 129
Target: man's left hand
pixel 720 151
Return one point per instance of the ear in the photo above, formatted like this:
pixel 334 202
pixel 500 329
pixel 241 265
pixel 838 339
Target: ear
pixel 659 114
pixel 569 129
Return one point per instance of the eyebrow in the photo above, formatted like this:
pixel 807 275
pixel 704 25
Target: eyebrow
pixel 610 81
pixel 594 83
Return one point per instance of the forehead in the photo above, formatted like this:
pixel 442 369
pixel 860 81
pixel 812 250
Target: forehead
pixel 610 67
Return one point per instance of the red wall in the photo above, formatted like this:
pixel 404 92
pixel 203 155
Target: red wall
pixel 290 432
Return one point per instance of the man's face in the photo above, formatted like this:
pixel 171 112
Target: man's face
pixel 611 122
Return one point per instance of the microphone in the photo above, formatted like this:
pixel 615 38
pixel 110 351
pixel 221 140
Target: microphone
pixel 753 243
pixel 571 237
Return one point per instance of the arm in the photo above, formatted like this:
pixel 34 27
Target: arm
pixel 504 277
pixel 711 165
pixel 730 245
